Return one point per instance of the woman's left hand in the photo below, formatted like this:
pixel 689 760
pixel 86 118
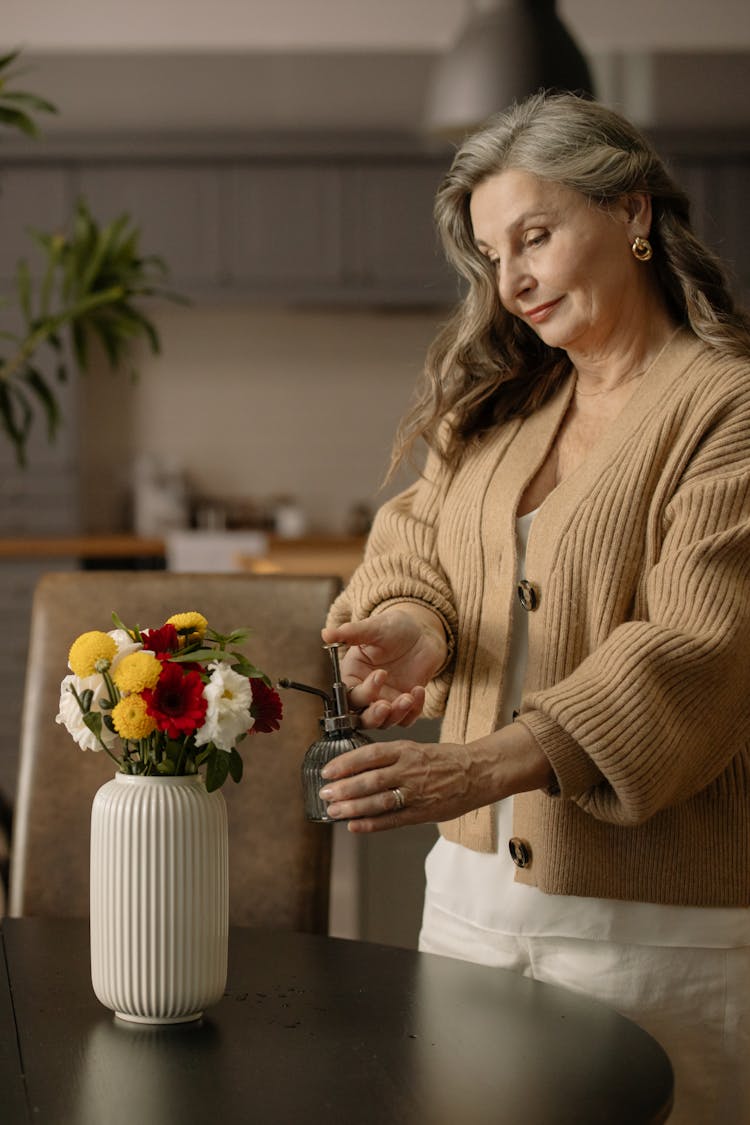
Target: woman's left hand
pixel 436 782
pixel 362 785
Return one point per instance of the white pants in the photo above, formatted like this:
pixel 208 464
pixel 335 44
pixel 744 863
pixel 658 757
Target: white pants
pixel 694 1002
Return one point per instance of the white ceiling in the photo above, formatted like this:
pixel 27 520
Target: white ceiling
pixel 347 65
pixel 368 25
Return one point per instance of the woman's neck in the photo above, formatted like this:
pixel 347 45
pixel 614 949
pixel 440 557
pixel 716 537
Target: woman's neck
pixel 625 357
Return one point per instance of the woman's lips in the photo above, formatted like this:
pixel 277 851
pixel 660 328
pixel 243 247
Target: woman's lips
pixel 541 312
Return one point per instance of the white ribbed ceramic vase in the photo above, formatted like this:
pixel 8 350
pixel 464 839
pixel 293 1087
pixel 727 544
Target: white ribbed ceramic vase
pixel 159 897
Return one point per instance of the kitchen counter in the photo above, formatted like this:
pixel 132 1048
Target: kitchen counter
pixel 336 554
pixel 80 547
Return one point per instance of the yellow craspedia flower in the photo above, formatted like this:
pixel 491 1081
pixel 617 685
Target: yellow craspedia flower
pixel 191 625
pixel 131 719
pixel 136 671
pixel 91 649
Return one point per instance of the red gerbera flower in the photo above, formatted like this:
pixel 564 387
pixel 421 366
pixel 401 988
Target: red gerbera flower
pixel 177 703
pixel 162 641
pixel 266 708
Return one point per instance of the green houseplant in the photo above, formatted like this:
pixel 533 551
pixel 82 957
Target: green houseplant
pixel 90 289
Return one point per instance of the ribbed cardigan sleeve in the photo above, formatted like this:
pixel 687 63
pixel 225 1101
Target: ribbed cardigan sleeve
pixel 656 713
pixel 401 565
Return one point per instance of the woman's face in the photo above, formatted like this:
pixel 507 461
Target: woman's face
pixel 563 265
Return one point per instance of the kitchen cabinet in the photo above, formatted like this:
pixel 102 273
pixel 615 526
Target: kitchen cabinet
pixel 301 223
pixel 393 249
pixel 282 228
pixel 296 228
pixel 714 171
pixel 177 207
pixel 347 231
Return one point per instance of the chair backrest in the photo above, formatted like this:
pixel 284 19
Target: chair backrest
pixel 279 863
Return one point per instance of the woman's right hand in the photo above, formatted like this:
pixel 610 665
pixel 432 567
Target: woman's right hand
pixel 390 658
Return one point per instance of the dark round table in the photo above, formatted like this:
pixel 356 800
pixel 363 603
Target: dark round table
pixel 315 1029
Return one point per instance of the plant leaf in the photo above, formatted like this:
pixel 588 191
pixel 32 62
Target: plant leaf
pixel 203 656
pixel 23 284
pixel 236 765
pixel 18 120
pixel 38 385
pixel 6 60
pixel 119 624
pixel 16 417
pixel 93 720
pixel 217 769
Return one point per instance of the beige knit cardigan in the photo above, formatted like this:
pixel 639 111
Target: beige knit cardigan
pixel 638 675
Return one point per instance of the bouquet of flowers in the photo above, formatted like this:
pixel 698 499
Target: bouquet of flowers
pixel 167 701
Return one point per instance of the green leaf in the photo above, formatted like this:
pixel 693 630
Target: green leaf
pixel 100 245
pixel 217 769
pixel 119 624
pixel 203 656
pixel 23 284
pixel 93 721
pixel 29 101
pixel 53 247
pixel 86 699
pixel 6 60
pixel 109 339
pixel 16 417
pixel 236 637
pixel 143 326
pixel 254 673
pixel 87 304
pixel 18 120
pixel 236 765
pixel 45 396
pixel 80 347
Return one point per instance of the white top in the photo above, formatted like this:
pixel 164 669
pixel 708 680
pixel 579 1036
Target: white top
pixel 480 890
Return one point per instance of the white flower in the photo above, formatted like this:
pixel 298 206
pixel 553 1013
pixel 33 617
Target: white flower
pixel 125 644
pixel 70 714
pixel 229 697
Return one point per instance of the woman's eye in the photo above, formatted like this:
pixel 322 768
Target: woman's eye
pixel 536 238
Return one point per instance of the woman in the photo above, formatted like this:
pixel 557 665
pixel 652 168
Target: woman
pixel 568 585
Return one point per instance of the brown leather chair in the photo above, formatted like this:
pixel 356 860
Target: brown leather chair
pixel 279 863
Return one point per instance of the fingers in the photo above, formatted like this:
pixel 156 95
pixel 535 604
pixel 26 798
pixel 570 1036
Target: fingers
pixel 373 756
pixel 379 705
pixel 368 690
pixel 391 784
pixel 367 630
pixel 402 709
pixel 372 793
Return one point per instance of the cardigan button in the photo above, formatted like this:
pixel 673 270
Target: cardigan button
pixel 527 595
pixel 520 851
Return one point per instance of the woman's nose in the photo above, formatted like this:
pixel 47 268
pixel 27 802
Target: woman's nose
pixel 512 282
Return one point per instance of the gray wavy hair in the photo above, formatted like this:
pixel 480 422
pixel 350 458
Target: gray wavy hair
pixel 486 366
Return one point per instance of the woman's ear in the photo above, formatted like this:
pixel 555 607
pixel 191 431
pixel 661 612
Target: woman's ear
pixel 638 210
pixel 634 212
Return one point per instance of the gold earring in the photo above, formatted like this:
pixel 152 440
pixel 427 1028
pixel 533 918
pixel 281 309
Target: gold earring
pixel 642 250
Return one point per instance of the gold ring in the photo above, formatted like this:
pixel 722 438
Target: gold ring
pixel 400 799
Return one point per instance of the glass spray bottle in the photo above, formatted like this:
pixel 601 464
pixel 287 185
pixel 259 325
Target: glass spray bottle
pixel 339 734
